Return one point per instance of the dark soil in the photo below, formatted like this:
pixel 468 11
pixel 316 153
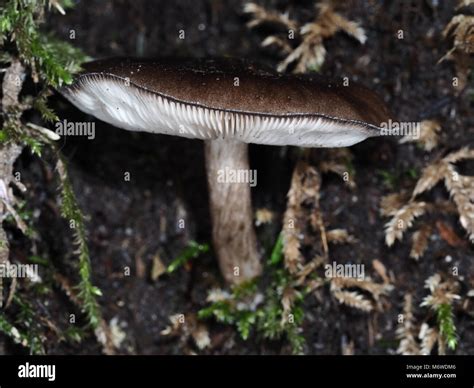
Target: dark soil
pixel 131 221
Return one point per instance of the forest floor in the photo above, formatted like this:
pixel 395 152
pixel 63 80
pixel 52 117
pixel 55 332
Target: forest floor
pixel 129 222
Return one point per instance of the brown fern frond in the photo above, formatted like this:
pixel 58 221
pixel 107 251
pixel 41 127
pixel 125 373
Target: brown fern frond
pixel 441 345
pixel 343 289
pixel 187 326
pixel 461 28
pixel 261 15
pixel 308 269
pixel 459 155
pixel 460 188
pixel 263 216
pixel 293 257
pixel 338 161
pixel 353 299
pixel 441 292
pixel 381 270
pixel 281 43
pixel 464 3
pixel 429 135
pixel 428 337
pixel 420 241
pixel 311 186
pixel 461 191
pixel 287 301
pixel 332 166
pixel 406 331
pixel 331 22
pixel 340 236
pixel 403 220
pixel 430 176
pixel 391 203
pixel 367 284
pixel 311 53
pixel 291 222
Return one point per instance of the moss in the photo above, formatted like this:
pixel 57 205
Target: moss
pixel 51 63
pixel 192 251
pixel 265 319
pixel 70 210
pixel 447 328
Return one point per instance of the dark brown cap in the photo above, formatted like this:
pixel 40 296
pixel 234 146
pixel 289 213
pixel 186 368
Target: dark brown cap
pixel 227 98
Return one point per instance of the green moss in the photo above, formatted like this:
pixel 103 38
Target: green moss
pixel 52 60
pixel 26 330
pixel 266 319
pixel 192 251
pixel 447 328
pixel 276 256
pixel 52 63
pixel 70 210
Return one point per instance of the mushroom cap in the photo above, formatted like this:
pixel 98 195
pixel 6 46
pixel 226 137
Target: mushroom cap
pixel 227 98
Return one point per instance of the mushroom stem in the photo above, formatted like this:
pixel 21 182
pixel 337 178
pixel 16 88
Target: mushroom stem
pixel 233 233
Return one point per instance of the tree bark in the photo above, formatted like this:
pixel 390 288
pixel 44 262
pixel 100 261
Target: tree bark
pixel 233 232
pixel 11 87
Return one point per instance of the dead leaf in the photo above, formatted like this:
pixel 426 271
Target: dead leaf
pixel 139 265
pixel 449 235
pixel 158 268
pixel 379 267
pixel 420 241
pixel 263 216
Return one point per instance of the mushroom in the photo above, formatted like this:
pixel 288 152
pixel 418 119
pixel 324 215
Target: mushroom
pixel 228 103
